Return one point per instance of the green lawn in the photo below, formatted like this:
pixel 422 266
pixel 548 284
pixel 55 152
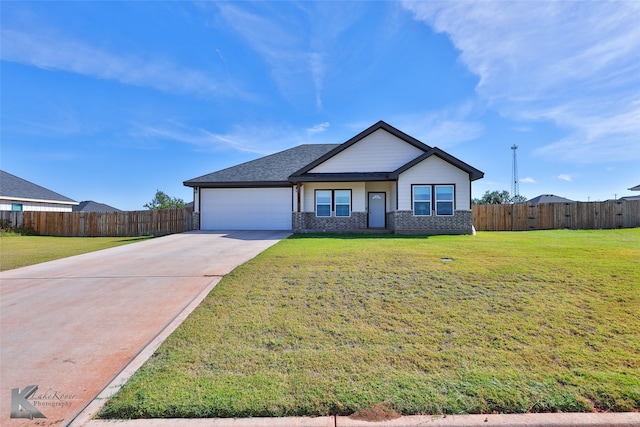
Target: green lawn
pixel 514 322
pixel 19 251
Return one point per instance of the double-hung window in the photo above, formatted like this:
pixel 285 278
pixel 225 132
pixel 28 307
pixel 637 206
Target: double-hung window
pixel 444 199
pixel 337 202
pixel 323 203
pixel 343 202
pixel 422 200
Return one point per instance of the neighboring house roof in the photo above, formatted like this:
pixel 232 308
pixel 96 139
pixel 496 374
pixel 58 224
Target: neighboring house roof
pixel 91 206
pixel 293 165
pixel 265 171
pixel 636 188
pixel 629 198
pixel 549 198
pixel 15 188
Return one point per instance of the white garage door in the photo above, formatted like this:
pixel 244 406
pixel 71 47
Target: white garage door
pixel 245 209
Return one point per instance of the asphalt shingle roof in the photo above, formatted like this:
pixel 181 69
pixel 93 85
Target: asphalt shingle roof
pixel 275 168
pixel 91 206
pixel 549 198
pixel 13 186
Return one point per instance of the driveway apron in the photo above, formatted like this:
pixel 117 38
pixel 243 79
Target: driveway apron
pixel 70 326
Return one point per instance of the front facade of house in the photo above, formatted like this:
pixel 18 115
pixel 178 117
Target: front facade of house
pixel 381 179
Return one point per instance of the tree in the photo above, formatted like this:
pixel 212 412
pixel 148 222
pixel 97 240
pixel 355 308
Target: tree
pixel 498 198
pixel 164 201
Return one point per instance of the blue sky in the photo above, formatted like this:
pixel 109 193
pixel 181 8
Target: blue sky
pixel 109 101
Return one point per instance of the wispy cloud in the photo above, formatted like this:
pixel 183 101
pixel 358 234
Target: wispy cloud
pixel 528 180
pixel 295 44
pixel 319 128
pixel 565 177
pixel 444 128
pixel 51 50
pixel 572 63
pixel 250 138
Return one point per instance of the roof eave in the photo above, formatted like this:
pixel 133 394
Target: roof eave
pixel 238 184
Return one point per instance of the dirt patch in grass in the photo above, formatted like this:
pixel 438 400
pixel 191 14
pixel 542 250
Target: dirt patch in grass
pixel 378 412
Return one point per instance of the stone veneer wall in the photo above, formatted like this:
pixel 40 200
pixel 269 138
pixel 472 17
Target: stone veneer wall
pixel 406 222
pixel 308 222
pixel 196 220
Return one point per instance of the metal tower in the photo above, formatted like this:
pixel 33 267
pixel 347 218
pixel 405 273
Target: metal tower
pixel 515 187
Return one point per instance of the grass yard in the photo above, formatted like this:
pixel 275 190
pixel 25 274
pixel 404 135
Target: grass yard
pixel 19 251
pixel 508 322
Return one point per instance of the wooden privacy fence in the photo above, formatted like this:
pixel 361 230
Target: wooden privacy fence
pixel 102 224
pixel 546 216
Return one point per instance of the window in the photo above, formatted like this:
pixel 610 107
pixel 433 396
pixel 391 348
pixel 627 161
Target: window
pixel 444 199
pixel 339 200
pixel 323 202
pixel 421 200
pixel 423 205
pixel 343 202
pixel 16 206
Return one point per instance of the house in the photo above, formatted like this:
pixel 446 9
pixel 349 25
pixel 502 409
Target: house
pixel 636 188
pixel 17 194
pixel 381 179
pixel 549 198
pixel 91 206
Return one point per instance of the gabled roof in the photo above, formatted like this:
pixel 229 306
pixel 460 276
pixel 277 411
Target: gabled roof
pixel 636 188
pixel 435 151
pixel 293 165
pixel 15 188
pixel 380 125
pixel 272 170
pixel 549 198
pixel 91 206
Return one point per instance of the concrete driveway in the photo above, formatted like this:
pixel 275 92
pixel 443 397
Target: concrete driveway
pixel 70 326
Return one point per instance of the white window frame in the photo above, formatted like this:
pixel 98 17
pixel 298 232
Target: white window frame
pixel 336 204
pixel 414 201
pixel 440 200
pixel 324 204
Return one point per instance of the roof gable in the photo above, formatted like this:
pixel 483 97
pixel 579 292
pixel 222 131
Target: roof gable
pixel 549 198
pixel 91 206
pixel 435 151
pixel 14 187
pixel 379 148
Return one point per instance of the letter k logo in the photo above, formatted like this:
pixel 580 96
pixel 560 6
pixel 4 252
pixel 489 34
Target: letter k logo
pixel 21 407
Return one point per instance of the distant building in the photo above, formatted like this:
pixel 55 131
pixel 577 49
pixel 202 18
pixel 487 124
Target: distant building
pixel 636 188
pixel 91 206
pixel 549 198
pixel 629 198
pixel 17 194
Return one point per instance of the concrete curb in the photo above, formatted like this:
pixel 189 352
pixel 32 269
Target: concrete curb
pixel 93 407
pixel 624 419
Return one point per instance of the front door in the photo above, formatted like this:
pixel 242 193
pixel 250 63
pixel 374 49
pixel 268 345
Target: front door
pixel 377 210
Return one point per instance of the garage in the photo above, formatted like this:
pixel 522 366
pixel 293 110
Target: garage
pixel 246 208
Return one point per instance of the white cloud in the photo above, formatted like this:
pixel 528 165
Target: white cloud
pixel 295 44
pixel 528 180
pixel 53 51
pixel 565 177
pixel 444 128
pixel 572 63
pixel 259 139
pixel 319 128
